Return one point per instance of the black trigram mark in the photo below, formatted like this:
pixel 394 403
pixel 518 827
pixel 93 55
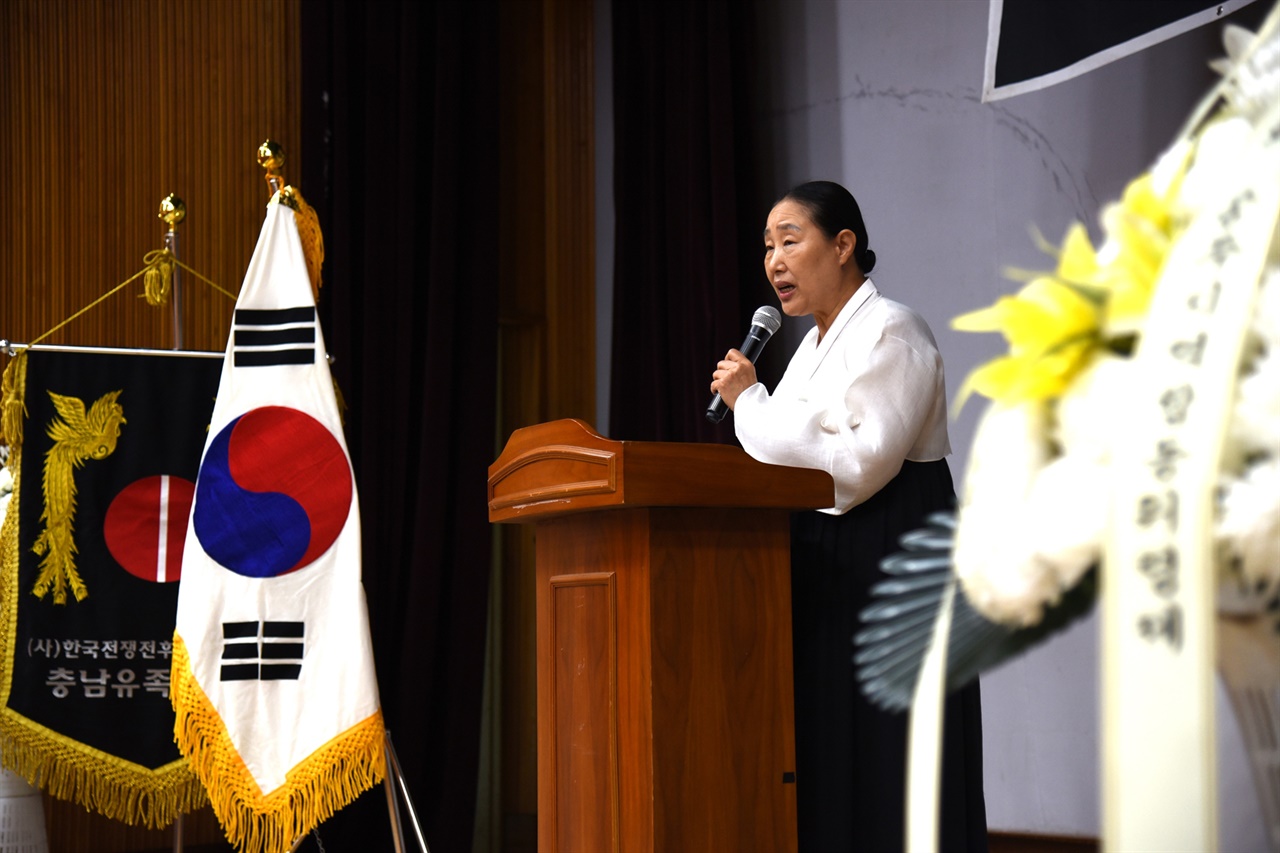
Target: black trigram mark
pixel 262 338
pixel 261 651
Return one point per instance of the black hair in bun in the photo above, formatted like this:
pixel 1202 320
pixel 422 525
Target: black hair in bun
pixel 866 261
pixel 834 209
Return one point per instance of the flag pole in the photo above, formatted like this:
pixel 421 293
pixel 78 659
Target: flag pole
pixel 172 211
pixel 177 834
pixel 12 348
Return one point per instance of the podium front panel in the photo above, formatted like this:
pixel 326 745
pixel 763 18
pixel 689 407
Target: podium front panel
pixel 664 681
pixel 594 778
pixel 584 642
pixel 723 705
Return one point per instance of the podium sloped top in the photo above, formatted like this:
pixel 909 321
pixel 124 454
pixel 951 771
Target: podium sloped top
pixel 565 467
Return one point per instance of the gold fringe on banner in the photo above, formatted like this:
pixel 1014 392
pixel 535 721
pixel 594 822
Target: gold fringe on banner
pixel 13 404
pixel 314 790
pixel 113 787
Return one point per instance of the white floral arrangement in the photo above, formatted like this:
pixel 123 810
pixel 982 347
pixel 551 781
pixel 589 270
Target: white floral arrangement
pixel 1033 510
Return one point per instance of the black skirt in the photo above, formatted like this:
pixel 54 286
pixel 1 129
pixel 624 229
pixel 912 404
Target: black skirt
pixel 850 755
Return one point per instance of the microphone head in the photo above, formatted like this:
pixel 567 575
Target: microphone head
pixel 767 317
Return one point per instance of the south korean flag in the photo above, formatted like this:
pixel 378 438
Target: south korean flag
pixel 273 677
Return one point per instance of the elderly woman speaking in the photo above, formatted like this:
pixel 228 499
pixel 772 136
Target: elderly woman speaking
pixel 863 398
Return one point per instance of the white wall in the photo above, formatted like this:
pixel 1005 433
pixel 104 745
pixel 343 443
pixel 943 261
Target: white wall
pixel 883 96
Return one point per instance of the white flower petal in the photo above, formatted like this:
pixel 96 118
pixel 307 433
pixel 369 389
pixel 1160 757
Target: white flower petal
pixel 1266 309
pixel 1217 153
pixel 1251 85
pixel 1250 521
pixel 1067 509
pixel 1086 411
pixel 1255 418
pixel 1169 166
pixel 993 554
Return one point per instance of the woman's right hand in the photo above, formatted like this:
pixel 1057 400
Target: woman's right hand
pixel 733 375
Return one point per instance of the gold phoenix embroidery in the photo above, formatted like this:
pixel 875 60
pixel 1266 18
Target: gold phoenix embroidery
pixel 76 438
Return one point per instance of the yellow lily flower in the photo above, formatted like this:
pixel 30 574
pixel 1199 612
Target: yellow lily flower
pixel 1141 229
pixel 1077 262
pixel 1051 327
pixel 1042 315
pixel 1017 379
pixel 1054 324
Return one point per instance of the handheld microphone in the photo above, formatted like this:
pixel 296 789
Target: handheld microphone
pixel 764 323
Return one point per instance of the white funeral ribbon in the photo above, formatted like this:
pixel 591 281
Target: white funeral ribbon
pixel 924 736
pixel 1159 786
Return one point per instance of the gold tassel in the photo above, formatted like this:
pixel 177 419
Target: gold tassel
pixel 309 231
pixel 13 400
pixel 158 277
pixel 342 403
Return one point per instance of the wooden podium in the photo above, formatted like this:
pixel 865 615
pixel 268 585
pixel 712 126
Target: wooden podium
pixel 664 638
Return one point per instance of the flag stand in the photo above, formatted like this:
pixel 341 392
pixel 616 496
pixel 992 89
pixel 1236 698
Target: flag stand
pixel 393 805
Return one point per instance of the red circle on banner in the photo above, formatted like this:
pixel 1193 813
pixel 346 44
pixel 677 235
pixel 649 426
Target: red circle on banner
pixel 146 527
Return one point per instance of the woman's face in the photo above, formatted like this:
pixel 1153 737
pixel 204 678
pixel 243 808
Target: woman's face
pixel 802 263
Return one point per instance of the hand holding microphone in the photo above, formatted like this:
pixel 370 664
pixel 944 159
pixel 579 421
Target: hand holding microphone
pixel 764 323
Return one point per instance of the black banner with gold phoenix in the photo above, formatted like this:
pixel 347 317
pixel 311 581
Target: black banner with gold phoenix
pixel 104 462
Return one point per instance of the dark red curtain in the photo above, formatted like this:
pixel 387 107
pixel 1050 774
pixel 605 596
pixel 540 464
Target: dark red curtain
pixel 687 233
pixel 399 154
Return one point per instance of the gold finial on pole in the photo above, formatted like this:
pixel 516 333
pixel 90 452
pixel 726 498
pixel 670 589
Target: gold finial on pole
pixel 271 158
pixel 172 211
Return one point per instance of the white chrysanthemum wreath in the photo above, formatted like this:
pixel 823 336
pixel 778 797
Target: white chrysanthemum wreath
pixel 1032 520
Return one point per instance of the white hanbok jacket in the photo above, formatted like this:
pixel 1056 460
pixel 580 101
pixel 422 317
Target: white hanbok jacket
pixel 856 404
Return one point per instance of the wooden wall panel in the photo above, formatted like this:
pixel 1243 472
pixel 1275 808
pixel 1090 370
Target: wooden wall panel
pixel 106 107
pixel 522 400
pixel 547 315
pixel 569 92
